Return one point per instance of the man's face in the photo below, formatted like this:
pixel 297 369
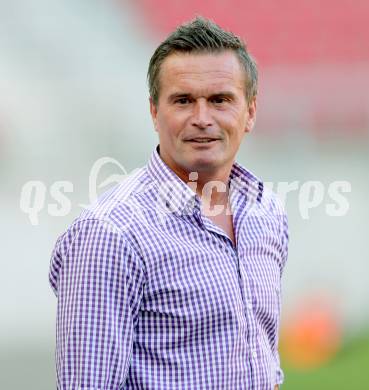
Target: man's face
pixel 202 113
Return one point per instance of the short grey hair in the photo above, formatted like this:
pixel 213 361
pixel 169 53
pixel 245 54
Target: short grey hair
pixel 201 35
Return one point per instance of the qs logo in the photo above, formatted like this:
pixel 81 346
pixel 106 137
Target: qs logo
pixel 36 195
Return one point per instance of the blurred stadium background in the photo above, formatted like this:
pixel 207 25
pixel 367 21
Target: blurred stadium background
pixel 73 90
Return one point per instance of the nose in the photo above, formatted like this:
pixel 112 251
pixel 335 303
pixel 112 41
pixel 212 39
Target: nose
pixel 201 116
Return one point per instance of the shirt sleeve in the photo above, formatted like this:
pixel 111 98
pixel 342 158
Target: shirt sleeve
pixel 284 254
pixel 284 239
pixel 98 280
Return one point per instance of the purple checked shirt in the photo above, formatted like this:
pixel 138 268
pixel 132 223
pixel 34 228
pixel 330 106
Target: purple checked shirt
pixel 153 295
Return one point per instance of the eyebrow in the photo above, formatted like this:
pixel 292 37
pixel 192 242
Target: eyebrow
pixel 180 95
pixel 177 95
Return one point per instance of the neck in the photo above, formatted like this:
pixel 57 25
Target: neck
pixel 210 186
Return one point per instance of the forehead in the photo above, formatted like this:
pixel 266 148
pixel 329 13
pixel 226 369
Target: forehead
pixel 196 71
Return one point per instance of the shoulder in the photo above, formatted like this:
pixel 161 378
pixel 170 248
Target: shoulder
pixel 116 206
pixel 106 219
pixel 261 199
pixel 97 237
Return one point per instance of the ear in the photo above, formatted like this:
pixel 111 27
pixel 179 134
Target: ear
pixel 154 113
pixel 251 115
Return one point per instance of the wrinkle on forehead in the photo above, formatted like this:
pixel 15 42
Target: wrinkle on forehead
pixel 201 70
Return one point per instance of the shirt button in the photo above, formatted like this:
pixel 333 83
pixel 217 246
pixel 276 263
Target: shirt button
pixel 249 305
pixel 254 354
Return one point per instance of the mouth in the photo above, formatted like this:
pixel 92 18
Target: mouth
pixel 201 140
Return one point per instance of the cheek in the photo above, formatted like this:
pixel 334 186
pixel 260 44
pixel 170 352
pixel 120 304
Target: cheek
pixel 170 134
pixel 171 123
pixel 232 123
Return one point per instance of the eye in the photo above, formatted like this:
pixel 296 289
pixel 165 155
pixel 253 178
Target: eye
pixel 219 99
pixel 182 101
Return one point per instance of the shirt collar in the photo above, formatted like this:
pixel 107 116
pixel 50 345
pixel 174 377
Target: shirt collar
pixel 178 197
pixel 245 183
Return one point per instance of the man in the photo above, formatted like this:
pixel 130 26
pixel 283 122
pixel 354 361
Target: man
pixel 172 279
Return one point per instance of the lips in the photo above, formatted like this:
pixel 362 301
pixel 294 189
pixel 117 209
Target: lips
pixel 201 140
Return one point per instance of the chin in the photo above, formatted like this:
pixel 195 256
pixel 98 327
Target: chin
pixel 205 164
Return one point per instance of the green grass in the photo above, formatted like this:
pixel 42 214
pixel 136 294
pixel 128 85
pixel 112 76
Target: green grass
pixel 348 370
